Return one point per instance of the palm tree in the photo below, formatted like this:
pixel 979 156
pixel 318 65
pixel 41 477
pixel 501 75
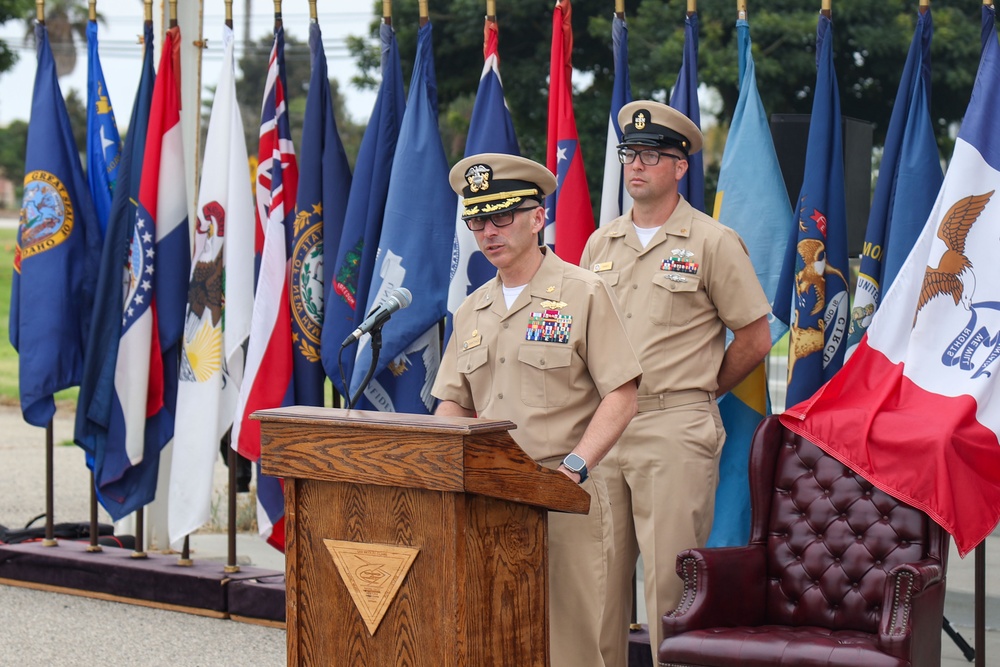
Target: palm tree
pixel 66 21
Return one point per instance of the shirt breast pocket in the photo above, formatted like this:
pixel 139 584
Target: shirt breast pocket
pixel 545 375
pixel 674 298
pixel 478 374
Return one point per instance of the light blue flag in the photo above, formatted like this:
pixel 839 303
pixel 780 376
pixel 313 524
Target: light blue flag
pixel 751 199
pixel 812 295
pixel 615 200
pixel 685 100
pixel 104 144
pixel 908 181
pixel 414 252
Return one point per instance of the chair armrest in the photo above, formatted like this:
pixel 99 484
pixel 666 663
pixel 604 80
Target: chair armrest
pixel 912 609
pixel 722 587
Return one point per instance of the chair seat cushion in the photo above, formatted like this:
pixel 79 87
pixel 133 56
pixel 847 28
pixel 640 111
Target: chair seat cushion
pixel 761 646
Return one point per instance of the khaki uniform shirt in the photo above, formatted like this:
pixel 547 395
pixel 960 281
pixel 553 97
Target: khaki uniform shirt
pixel 678 294
pixel 544 364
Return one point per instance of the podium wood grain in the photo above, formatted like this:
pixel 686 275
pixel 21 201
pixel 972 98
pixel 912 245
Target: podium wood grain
pixel 461 491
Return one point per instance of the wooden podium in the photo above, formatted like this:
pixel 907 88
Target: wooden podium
pixel 412 540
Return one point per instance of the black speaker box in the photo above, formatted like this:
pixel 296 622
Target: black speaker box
pixel 790 133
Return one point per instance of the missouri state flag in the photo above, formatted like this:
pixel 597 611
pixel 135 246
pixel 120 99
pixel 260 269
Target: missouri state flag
pixel 569 216
pixel 57 253
pixel 916 410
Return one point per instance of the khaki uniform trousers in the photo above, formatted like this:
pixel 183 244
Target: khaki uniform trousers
pixel 579 554
pixel 661 478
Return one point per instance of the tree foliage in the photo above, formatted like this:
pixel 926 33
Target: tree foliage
pixel 11 9
pixel 871 41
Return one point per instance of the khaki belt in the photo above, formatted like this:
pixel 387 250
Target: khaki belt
pixel 674 399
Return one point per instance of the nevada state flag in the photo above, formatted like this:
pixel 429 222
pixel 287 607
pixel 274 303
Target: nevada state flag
pixel 916 410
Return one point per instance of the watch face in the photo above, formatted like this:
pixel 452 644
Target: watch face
pixel 574 462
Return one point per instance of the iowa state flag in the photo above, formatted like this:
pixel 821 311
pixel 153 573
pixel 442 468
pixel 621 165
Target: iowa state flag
pixel 812 297
pixel 491 130
pixel 350 274
pixel 57 254
pixel 569 216
pixel 908 181
pixel 916 410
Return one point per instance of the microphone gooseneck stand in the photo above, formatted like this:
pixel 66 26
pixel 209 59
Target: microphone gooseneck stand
pixel 376 335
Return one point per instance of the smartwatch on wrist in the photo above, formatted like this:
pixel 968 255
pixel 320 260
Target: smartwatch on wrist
pixel 575 463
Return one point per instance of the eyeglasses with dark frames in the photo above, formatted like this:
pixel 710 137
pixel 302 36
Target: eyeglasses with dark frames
pixel 647 156
pixel 501 219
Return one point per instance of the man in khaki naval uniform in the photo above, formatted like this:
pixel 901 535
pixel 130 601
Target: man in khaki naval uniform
pixel 543 345
pixel 681 279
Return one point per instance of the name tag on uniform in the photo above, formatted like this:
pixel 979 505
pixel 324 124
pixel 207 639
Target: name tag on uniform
pixel 475 341
pixel 602 266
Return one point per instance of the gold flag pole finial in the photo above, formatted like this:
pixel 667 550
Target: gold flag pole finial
pixel 424 14
pixel 40 11
pixel 924 6
pixel 92 10
pixel 620 8
pixel 147 11
pixel 173 13
pixel 277 14
pixel 313 17
pixel 741 9
pixel 387 12
pixel 825 9
pixel 692 7
pixel 491 10
pixel 229 13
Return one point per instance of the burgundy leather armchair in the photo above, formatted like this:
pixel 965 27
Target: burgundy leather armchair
pixel 836 573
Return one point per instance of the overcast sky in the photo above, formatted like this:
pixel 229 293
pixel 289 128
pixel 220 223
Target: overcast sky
pixel 121 55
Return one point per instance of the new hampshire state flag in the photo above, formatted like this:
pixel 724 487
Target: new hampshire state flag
pixel 57 253
pixel 916 410
pixel 685 100
pixel 414 252
pixel 751 200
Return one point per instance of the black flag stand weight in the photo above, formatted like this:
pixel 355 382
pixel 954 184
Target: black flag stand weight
pixel 50 539
pixel 140 535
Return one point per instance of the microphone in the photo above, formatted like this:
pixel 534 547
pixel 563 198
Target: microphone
pixel 397 300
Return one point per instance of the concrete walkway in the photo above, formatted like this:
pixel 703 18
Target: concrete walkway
pixel 55 629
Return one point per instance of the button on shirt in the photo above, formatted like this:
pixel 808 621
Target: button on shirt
pixel 545 363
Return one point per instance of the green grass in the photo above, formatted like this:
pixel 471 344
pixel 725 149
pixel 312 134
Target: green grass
pixel 9 392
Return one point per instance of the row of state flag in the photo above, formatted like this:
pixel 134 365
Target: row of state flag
pixel 178 342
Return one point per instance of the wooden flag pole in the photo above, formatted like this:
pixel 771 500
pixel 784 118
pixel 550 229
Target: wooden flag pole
pixel 387 12
pixel 741 9
pixel 50 537
pixel 40 11
pixel 491 10
pixel 620 9
pixel 173 13
pixel 692 7
pixel 924 6
pixel 229 14
pixel 147 11
pixel 825 9
pixel 424 14
pixel 92 10
pixel 313 17
pixel 277 14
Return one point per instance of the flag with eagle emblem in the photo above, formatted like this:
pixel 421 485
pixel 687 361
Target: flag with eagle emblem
pixel 915 410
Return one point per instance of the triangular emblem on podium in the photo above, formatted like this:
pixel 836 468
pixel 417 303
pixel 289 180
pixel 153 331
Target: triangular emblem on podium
pixel 373 574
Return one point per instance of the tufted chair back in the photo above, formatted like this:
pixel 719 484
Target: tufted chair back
pixel 836 573
pixel 831 540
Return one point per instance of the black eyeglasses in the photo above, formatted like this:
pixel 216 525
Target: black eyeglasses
pixel 501 219
pixel 648 156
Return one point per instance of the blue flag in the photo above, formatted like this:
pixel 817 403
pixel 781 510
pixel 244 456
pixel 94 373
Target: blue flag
pixel 104 145
pixel 751 199
pixel 614 199
pixel 491 130
pixel 685 100
pixel 94 405
pixel 350 272
pixel 414 252
pixel 812 295
pixel 58 249
pixel 908 181
pixel 988 31
pixel 324 184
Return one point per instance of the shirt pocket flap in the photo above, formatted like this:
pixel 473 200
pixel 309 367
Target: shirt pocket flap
pixel 472 359
pixel 675 282
pixel 545 356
